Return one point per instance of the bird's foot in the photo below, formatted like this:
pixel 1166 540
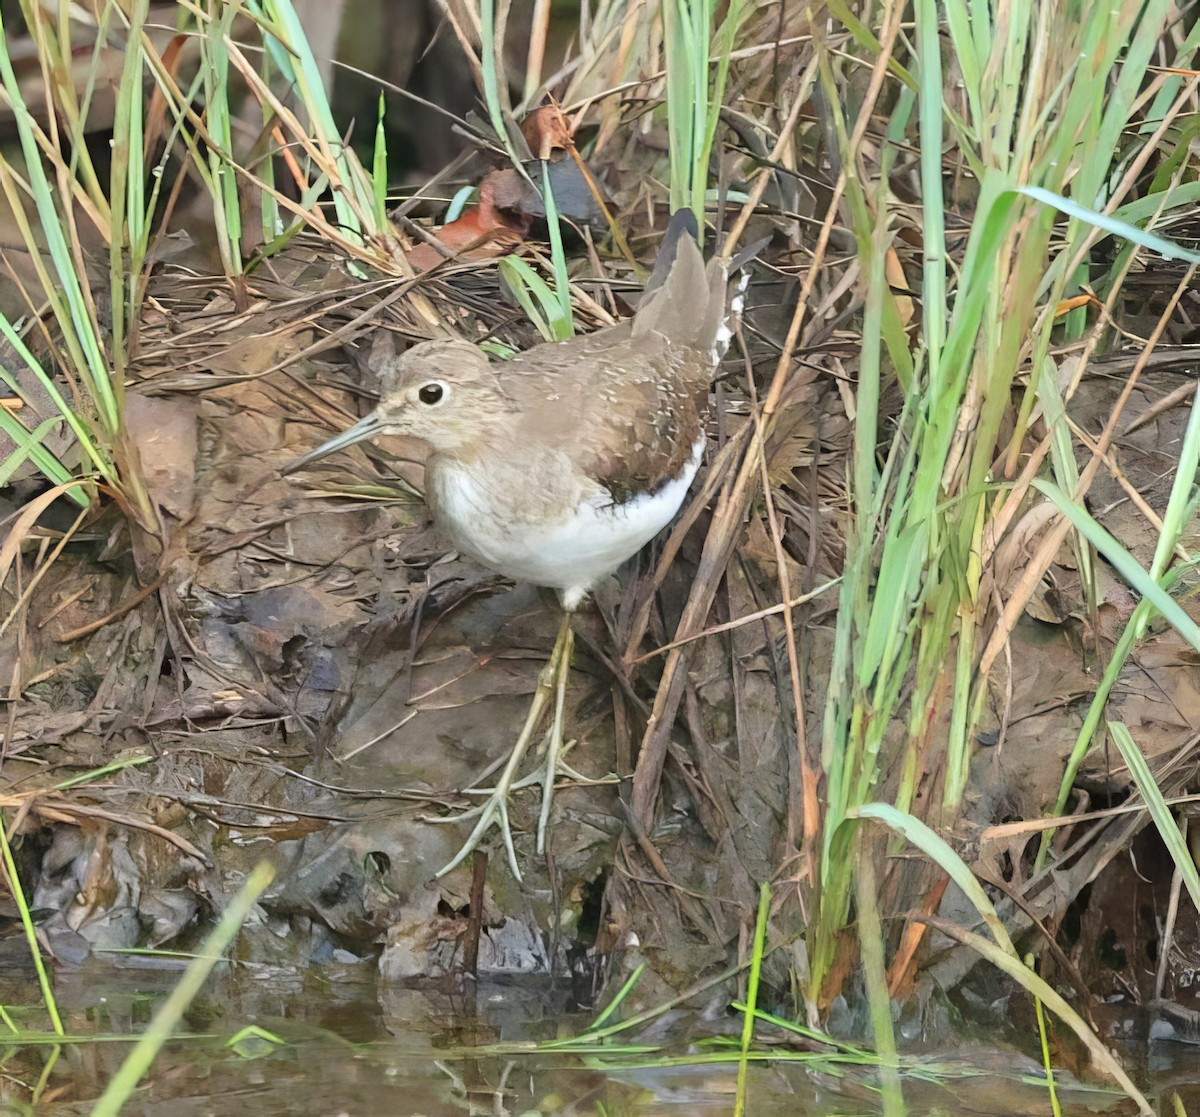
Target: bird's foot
pixel 552 682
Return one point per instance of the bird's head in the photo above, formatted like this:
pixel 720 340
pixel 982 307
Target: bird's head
pixel 445 393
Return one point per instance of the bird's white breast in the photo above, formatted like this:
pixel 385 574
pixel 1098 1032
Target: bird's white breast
pixel 569 545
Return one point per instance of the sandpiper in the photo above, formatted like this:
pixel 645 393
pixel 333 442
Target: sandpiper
pixel 557 466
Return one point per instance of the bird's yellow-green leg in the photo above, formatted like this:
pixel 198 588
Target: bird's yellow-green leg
pixel 552 681
pixel 554 743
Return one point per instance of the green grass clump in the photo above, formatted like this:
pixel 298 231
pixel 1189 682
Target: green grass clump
pixel 917 634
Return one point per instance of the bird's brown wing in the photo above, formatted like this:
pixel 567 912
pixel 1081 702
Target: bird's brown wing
pixel 629 412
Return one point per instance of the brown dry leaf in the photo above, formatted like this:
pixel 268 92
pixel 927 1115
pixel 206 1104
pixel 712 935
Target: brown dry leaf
pixel 164 431
pixel 490 228
pixel 894 270
pixel 1018 546
pixel 547 130
pixel 794 439
pixel 255 352
pixel 1074 303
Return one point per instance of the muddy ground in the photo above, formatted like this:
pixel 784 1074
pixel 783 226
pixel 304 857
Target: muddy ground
pixel 316 677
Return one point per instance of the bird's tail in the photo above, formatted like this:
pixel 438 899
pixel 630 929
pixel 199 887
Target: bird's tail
pixel 685 300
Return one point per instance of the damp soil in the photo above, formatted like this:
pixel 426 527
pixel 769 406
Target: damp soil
pixel 316 677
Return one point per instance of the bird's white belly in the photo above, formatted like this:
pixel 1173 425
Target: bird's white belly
pixel 569 551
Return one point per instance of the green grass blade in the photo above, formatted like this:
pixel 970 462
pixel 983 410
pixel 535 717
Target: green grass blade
pixel 68 300
pixel 458 203
pixel 558 257
pixel 1044 1043
pixel 128 229
pixel 936 848
pixel 1126 565
pixel 379 171
pixel 870 940
pixel 227 209
pixel 513 272
pixel 491 79
pixel 1135 629
pixel 1001 954
pixel 749 1015
pixel 167 1018
pixel 48 384
pixel 1165 248
pixel 526 285
pixel 29 447
pixel 1164 821
pixel 270 214
pixel 291 53
pixel 933 272
pixel 1039 988
pixel 612 1006
pixel 18 895
pixel 1181 503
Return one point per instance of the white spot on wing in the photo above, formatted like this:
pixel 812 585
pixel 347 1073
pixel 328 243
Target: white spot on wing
pixel 725 330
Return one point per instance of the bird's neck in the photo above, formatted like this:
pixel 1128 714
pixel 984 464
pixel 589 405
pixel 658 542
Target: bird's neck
pixel 467 448
pixel 479 453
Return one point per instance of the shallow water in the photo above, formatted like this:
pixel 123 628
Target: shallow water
pixel 353 1047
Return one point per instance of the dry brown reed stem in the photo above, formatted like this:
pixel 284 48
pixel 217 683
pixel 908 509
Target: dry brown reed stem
pixel 536 56
pixel 317 148
pixel 738 228
pixel 1118 474
pixel 321 155
pixel 811 815
pixel 714 480
pixel 70 186
pixel 23 521
pixel 52 806
pixel 808 775
pixel 37 310
pixel 1167 947
pixel 611 116
pixel 464 41
pixel 738 622
pixel 902 973
pixel 16 681
pixel 1036 568
pixel 1171 400
pixel 718 548
pixel 1128 181
pixel 289 159
pixel 1006 831
pixel 404 288
pixel 125 606
pixel 313 217
pixel 727 516
pixel 576 67
pixel 22 600
pixel 499 38
pixel 724 460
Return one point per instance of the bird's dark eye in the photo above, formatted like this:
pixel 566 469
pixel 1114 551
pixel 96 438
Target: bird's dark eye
pixel 430 393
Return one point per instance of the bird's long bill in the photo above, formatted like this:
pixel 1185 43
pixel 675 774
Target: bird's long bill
pixel 363 429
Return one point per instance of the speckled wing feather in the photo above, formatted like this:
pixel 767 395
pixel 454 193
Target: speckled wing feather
pixel 637 406
pixel 633 395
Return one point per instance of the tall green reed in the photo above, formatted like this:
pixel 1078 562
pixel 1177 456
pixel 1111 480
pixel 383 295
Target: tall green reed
pixel 918 593
pixel 61 185
pixel 695 93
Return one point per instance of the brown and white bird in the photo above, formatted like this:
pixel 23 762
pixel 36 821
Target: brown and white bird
pixel 557 466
